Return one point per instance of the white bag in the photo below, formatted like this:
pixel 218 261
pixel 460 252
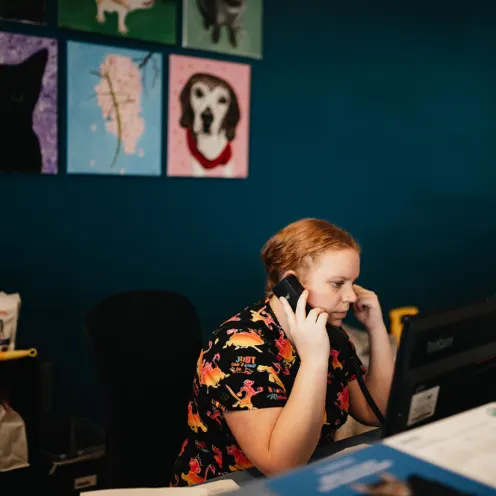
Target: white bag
pixel 13 440
pixel 10 304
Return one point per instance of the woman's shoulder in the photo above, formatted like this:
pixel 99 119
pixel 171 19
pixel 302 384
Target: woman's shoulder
pixel 254 326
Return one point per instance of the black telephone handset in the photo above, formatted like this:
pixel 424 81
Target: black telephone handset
pixel 291 289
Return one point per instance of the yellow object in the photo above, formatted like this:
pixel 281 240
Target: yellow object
pixel 15 354
pixel 396 315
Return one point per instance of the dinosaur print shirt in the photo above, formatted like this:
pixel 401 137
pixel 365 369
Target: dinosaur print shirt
pixel 248 363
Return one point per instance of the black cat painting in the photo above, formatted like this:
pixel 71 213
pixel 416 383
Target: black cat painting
pixel 32 11
pixel 20 88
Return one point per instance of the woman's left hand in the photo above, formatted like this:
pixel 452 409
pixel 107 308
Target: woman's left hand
pixel 367 308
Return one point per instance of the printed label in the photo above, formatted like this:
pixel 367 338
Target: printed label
pixel 423 405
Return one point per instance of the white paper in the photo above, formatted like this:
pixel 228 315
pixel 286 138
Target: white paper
pixel 463 443
pixel 215 488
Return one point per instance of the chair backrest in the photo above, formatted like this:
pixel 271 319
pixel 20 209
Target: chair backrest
pixel 144 345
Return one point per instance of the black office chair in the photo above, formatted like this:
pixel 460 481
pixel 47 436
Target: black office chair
pixel 144 345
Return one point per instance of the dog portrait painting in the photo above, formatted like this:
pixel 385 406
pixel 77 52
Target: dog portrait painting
pixel 225 26
pixel 147 20
pixel 208 118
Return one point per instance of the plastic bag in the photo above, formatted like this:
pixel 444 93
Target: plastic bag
pixel 13 440
pixel 10 304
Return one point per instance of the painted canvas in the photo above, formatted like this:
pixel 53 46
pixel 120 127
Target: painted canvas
pixel 209 114
pixel 147 20
pixel 28 11
pixel 28 99
pixel 114 110
pixel 226 26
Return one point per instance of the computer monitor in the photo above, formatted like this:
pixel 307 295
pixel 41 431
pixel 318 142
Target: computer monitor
pixel 446 364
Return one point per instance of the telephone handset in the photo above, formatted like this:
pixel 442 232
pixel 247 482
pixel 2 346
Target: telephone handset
pixel 291 289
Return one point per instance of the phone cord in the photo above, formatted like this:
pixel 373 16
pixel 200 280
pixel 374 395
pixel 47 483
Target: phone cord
pixel 358 372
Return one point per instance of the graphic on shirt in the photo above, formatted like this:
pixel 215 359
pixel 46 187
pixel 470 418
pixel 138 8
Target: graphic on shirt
pixel 249 392
pixel 285 348
pixel 210 374
pixel 240 460
pixel 193 476
pixel 244 339
pixel 273 377
pixel 194 420
pixel 264 317
pixel 335 359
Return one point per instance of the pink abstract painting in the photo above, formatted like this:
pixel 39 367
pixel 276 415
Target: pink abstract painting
pixel 209 115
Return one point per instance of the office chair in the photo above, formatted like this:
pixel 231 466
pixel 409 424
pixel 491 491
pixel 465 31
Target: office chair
pixel 144 345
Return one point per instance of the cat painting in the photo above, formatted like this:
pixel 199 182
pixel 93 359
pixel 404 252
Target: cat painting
pixel 20 88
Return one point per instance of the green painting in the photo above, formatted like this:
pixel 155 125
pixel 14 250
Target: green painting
pixel 233 27
pixel 147 20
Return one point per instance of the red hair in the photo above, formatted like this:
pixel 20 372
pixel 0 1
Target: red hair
pixel 295 244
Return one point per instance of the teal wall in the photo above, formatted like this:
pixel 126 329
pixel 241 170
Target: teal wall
pixel 380 119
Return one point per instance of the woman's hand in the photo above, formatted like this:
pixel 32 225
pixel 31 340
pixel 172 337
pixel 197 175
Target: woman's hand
pixel 367 308
pixel 308 331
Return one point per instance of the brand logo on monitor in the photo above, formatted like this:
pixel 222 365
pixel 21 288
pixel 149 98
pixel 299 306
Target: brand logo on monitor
pixel 440 344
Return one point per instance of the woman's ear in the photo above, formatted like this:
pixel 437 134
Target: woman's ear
pixel 288 273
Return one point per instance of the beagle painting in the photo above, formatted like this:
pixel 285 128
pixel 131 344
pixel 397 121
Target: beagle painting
pixel 210 114
pixel 208 118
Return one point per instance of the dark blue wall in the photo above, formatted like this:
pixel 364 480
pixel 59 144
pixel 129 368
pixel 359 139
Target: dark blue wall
pixel 382 120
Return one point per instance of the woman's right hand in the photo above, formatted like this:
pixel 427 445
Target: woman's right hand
pixel 308 331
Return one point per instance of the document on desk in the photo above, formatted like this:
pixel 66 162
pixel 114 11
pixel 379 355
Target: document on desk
pixel 215 488
pixel 464 443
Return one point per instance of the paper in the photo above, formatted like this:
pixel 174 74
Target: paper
pixel 464 443
pixel 215 488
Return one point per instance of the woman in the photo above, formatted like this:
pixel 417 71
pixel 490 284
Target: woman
pixel 269 386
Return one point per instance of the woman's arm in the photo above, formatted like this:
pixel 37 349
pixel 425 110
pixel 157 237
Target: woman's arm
pixel 278 439
pixel 381 367
pixel 378 379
